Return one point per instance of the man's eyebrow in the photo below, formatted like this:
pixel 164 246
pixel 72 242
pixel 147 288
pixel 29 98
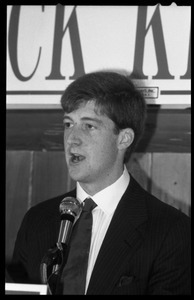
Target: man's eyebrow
pixel 67 117
pixel 91 119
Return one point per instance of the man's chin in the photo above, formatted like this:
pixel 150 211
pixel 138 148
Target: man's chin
pixel 77 176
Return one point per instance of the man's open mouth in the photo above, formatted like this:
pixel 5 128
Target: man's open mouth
pixel 76 158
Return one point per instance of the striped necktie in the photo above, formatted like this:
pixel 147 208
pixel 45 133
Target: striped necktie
pixel 74 273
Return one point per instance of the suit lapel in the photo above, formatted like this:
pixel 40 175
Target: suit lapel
pixel 123 237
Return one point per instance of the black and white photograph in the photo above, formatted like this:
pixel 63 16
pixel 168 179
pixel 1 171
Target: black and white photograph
pixel 98 149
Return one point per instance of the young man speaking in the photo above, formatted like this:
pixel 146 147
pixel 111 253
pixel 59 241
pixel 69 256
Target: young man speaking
pixel 139 245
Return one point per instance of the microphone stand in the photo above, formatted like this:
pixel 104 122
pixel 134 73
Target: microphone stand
pixel 52 262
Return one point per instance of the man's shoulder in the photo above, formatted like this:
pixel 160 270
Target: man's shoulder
pixel 157 209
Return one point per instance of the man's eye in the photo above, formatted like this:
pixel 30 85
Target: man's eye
pixel 89 126
pixel 67 125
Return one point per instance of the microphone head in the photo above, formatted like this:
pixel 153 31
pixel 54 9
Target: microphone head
pixel 70 206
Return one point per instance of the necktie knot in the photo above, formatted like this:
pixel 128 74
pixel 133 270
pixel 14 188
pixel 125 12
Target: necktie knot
pixel 89 204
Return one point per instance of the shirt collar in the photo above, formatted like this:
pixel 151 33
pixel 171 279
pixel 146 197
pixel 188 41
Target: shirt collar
pixel 108 198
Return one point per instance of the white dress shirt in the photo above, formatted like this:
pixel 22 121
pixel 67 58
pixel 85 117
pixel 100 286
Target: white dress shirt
pixel 107 201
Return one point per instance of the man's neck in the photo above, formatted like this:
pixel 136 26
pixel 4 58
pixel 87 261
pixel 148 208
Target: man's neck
pixel 93 188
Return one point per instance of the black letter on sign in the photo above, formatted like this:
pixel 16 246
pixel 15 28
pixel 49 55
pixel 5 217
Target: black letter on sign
pixel 155 23
pixel 13 44
pixel 57 45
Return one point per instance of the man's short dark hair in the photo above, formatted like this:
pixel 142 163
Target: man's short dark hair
pixel 115 95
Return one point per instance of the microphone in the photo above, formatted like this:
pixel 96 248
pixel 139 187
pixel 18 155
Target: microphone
pixel 70 209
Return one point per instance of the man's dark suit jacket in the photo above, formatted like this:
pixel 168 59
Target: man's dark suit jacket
pixel 146 249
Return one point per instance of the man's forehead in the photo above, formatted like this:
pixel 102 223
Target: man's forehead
pixel 89 106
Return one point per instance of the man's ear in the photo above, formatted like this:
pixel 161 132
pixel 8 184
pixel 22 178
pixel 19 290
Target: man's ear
pixel 126 137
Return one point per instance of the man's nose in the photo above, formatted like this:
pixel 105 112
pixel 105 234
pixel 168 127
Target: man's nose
pixel 74 136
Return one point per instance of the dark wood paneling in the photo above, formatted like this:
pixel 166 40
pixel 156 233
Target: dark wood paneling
pixel 39 130
pixel 18 174
pixel 50 176
pixel 171 179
